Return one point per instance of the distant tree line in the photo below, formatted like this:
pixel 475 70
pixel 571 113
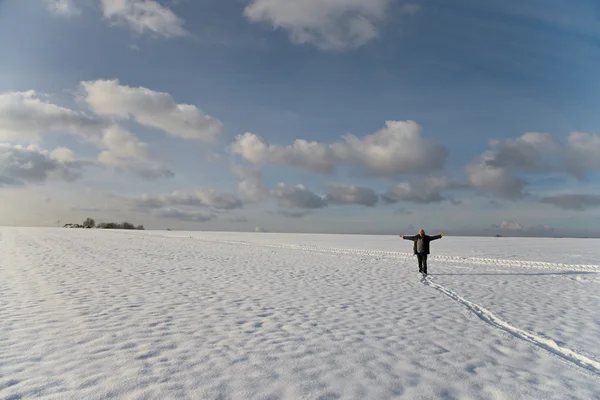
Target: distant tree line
pixel 91 223
pixel 116 225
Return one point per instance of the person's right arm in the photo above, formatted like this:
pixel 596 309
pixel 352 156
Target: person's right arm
pixel 406 237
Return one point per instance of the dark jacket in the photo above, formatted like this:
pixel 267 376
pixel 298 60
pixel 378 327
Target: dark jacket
pixel 426 240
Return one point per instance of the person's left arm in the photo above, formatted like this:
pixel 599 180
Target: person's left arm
pixel 437 236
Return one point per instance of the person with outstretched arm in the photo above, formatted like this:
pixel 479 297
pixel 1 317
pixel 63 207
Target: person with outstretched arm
pixel 421 247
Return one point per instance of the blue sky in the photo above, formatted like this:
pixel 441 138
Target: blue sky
pixel 468 117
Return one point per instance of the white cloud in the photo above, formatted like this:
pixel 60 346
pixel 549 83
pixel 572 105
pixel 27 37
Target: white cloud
pixel 25 116
pixel 422 191
pixel 497 170
pixel 250 185
pixel 311 156
pixel 63 8
pixel 498 181
pixel 349 194
pixel 195 206
pixel 297 196
pixel 63 154
pixel 126 153
pixel 328 24
pixel 583 153
pixel 199 198
pixel 149 108
pixel 531 152
pixel 21 165
pixel 396 149
pixel 251 188
pixel 144 16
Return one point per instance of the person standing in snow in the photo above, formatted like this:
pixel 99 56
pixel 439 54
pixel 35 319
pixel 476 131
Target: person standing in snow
pixel 421 247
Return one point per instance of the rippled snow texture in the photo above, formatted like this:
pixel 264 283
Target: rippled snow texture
pixel 91 314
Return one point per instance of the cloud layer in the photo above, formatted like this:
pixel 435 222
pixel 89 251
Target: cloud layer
pixel 25 116
pixel 350 194
pixel 63 8
pixel 28 117
pixel 198 206
pixel 250 185
pixel 328 24
pixel 199 198
pixel 582 153
pixel 294 200
pixel 144 16
pixel 498 170
pixel 396 149
pixel 126 153
pixel 424 191
pixel 21 165
pixel 297 196
pixel 498 181
pixel 152 109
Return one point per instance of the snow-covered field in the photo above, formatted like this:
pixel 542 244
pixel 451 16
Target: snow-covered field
pixel 90 314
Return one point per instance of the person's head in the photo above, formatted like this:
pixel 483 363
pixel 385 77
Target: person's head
pixel 421 232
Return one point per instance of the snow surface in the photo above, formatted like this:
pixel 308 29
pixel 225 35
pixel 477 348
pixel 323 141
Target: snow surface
pixel 91 314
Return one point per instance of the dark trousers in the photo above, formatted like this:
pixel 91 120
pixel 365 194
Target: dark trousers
pixel 422 257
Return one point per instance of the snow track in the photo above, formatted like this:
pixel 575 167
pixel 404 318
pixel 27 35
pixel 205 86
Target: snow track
pixel 482 313
pixel 404 255
pixel 547 344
